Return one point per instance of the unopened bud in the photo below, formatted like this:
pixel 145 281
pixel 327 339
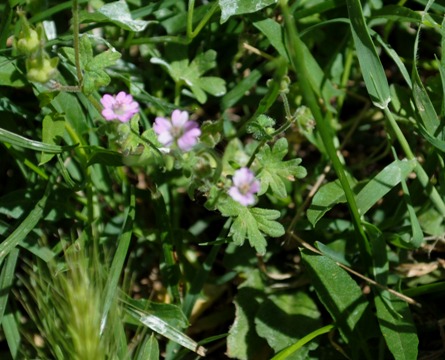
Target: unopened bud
pixel 41 70
pixel 28 43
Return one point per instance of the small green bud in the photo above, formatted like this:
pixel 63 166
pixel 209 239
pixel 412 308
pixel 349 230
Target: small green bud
pixel 28 42
pixel 41 70
pixel 284 84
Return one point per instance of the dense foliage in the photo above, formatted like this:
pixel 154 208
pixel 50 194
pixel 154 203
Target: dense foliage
pixel 229 178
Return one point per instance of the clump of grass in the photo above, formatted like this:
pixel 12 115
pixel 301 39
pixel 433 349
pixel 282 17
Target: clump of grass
pixel 66 304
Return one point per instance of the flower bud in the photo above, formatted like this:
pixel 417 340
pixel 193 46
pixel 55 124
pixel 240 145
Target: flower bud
pixel 28 42
pixel 41 69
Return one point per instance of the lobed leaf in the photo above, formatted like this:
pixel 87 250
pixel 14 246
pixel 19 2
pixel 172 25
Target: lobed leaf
pixel 191 74
pixel 251 223
pixel 274 172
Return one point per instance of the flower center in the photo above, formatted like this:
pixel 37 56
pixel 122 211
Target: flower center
pixel 119 108
pixel 176 131
pixel 244 188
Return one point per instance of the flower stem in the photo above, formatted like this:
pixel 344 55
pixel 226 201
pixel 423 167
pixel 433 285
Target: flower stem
pixel 419 170
pixel 191 34
pixel 76 41
pixel 325 129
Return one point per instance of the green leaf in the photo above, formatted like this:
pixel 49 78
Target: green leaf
pixel 284 318
pixel 149 349
pixel 111 287
pixel 93 80
pixel 191 74
pixel 20 141
pixel 9 74
pixel 53 129
pixel 104 156
pixel 261 127
pixel 12 334
pixel 274 171
pixel 399 332
pixel 169 313
pixel 289 351
pixel 240 89
pixel 25 227
pixel 383 182
pixel 237 7
pixel 342 297
pixel 117 13
pixel 398 13
pixel 103 60
pixel 69 105
pixel 243 342
pixel 372 69
pixel 163 328
pixel 251 223
pixel 274 33
pixel 324 199
pixel 85 49
pixel 7 279
pixel 332 193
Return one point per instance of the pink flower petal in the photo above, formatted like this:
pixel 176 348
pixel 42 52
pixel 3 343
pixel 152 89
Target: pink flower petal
pixel 108 114
pixel 122 96
pixel 179 118
pixel 107 100
pixel 161 125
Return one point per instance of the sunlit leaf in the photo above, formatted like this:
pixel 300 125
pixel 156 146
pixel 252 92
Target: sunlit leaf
pixel 237 7
pixel 251 223
pixel 117 13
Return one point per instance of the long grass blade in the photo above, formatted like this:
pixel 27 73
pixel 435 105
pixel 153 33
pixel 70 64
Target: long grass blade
pixel 20 233
pixel 6 280
pixel 284 354
pixel 20 141
pixel 111 288
pixel 372 69
pixel 161 327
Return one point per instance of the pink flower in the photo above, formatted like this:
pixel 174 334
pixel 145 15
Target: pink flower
pixel 179 130
pixel 120 107
pixel 245 185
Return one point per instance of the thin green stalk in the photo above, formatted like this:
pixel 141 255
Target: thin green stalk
pixel 76 41
pixel 323 126
pixel 345 76
pixel 191 8
pixel 191 34
pixel 178 93
pixel 420 172
pixel 281 129
pixel 170 269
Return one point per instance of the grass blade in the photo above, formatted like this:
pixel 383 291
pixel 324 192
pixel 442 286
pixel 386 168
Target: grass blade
pixel 25 227
pixel 161 327
pixel 12 334
pixel 20 141
pixel 372 69
pixel 6 280
pixel 284 354
pixel 111 288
